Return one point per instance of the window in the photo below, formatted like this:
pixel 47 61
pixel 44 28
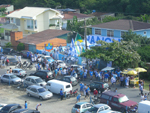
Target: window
pixel 35 24
pixel 48 84
pixel 115 99
pixel 27 79
pixel 33 81
pixel 122 33
pixel 77 106
pixel 7 33
pixel 110 33
pixel 30 24
pixel 68 86
pixel 89 105
pixel 105 97
pixel 34 90
pixel 5 76
pixel 84 106
pixel 144 32
pixel 18 22
pixel 101 109
pixel 106 107
pixel 98 31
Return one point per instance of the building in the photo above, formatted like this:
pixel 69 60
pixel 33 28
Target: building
pixel 47 39
pixel 8 8
pixel 116 29
pixel 31 20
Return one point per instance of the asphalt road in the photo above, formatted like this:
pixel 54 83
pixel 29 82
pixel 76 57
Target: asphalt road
pixel 12 94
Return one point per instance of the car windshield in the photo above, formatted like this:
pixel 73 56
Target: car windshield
pixel 5 109
pixel 123 99
pixel 77 106
pixel 48 58
pixel 13 76
pixel 93 109
pixel 38 80
pixel 41 90
pixel 72 78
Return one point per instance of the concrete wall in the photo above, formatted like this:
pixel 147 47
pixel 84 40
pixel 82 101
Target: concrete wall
pixel 56 42
pixel 10 8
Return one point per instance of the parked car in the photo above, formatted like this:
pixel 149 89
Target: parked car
pixel 144 107
pixel 25 52
pixel 99 86
pixel 2 105
pixel 77 68
pixel 33 80
pixel 109 111
pixel 10 108
pixel 25 111
pixel 13 79
pixel 118 101
pixel 48 58
pixel 12 61
pixel 19 72
pixel 83 106
pixel 10 51
pixel 70 79
pixel 46 75
pixel 98 108
pixel 55 85
pixel 39 92
pixel 60 63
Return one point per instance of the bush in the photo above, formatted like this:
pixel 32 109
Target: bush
pixel 20 47
pixel 8 45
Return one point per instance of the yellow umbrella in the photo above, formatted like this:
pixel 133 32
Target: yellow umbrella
pixel 124 71
pixel 139 69
pixel 132 72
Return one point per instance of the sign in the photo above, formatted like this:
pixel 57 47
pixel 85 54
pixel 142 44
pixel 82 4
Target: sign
pixel 48 47
pixel 92 39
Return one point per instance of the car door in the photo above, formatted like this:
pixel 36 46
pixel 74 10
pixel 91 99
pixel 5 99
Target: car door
pixel 114 103
pixel 5 78
pixel 48 86
pixel 27 81
pixel 32 81
pixel 34 92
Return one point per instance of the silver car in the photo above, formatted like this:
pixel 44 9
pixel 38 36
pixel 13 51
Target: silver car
pixel 61 63
pixel 39 92
pixel 33 80
pixel 98 108
pixel 13 79
pixel 19 72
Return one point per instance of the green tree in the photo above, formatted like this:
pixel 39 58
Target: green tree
pixel 8 45
pixel 20 47
pixel 121 53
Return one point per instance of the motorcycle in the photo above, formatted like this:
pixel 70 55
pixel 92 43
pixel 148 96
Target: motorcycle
pixel 30 66
pixel 96 99
pixel 77 77
pixel 72 93
pixel 19 65
pixel 24 65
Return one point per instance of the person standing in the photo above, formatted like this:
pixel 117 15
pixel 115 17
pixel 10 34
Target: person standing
pixel 91 75
pixel 78 110
pixel 61 94
pixel 142 97
pixel 25 105
pixel 56 72
pixel 78 98
pixel 141 89
pixel 145 96
pixel 37 106
pixel 95 92
pixel 106 76
pixel 10 70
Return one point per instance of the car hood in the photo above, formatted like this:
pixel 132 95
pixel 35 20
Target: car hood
pixel 16 79
pixel 50 60
pixel 129 103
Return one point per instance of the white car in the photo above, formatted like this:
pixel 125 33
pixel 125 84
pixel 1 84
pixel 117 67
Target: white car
pixel 98 108
pixel 2 105
pixel 61 63
pixel 39 92
pixel 19 72
pixel 48 58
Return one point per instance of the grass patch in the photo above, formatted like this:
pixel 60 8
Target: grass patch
pixel 1 29
pixel 3 15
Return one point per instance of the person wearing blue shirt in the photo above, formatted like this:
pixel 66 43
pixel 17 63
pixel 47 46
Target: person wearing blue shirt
pixel 56 73
pixel 81 73
pixel 61 94
pixel 91 75
pixel 26 105
pixel 106 77
pixel 78 98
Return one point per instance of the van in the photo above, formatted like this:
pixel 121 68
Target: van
pixel 144 107
pixel 55 85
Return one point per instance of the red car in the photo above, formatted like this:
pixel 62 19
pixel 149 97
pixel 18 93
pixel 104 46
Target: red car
pixel 118 101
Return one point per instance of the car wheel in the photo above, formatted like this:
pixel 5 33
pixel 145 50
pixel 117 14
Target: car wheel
pixel 12 83
pixel 29 94
pixel 40 98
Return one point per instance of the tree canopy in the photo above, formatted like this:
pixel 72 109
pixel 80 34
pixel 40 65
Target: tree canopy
pixel 121 53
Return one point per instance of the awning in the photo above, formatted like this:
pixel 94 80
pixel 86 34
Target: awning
pixel 9 26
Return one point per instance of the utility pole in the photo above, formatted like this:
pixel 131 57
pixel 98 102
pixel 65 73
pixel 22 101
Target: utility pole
pixel 85 38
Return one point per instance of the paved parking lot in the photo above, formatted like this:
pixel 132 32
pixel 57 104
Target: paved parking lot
pixel 12 94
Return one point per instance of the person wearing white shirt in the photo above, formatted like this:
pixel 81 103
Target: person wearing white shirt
pixel 64 71
pixel 142 97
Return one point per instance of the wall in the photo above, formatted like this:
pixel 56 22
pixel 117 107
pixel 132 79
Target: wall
pixel 55 41
pixel 10 8
pixel 141 32
pixel 15 36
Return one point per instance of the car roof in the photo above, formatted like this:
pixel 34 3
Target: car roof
pixel 112 93
pixel 106 111
pixel 16 69
pixel 9 74
pixel 100 105
pixel 58 81
pixel 68 76
pixel 35 86
pixel 22 110
pixel 45 70
pixel 10 105
pixel 34 77
pixel 99 82
pixel 80 103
